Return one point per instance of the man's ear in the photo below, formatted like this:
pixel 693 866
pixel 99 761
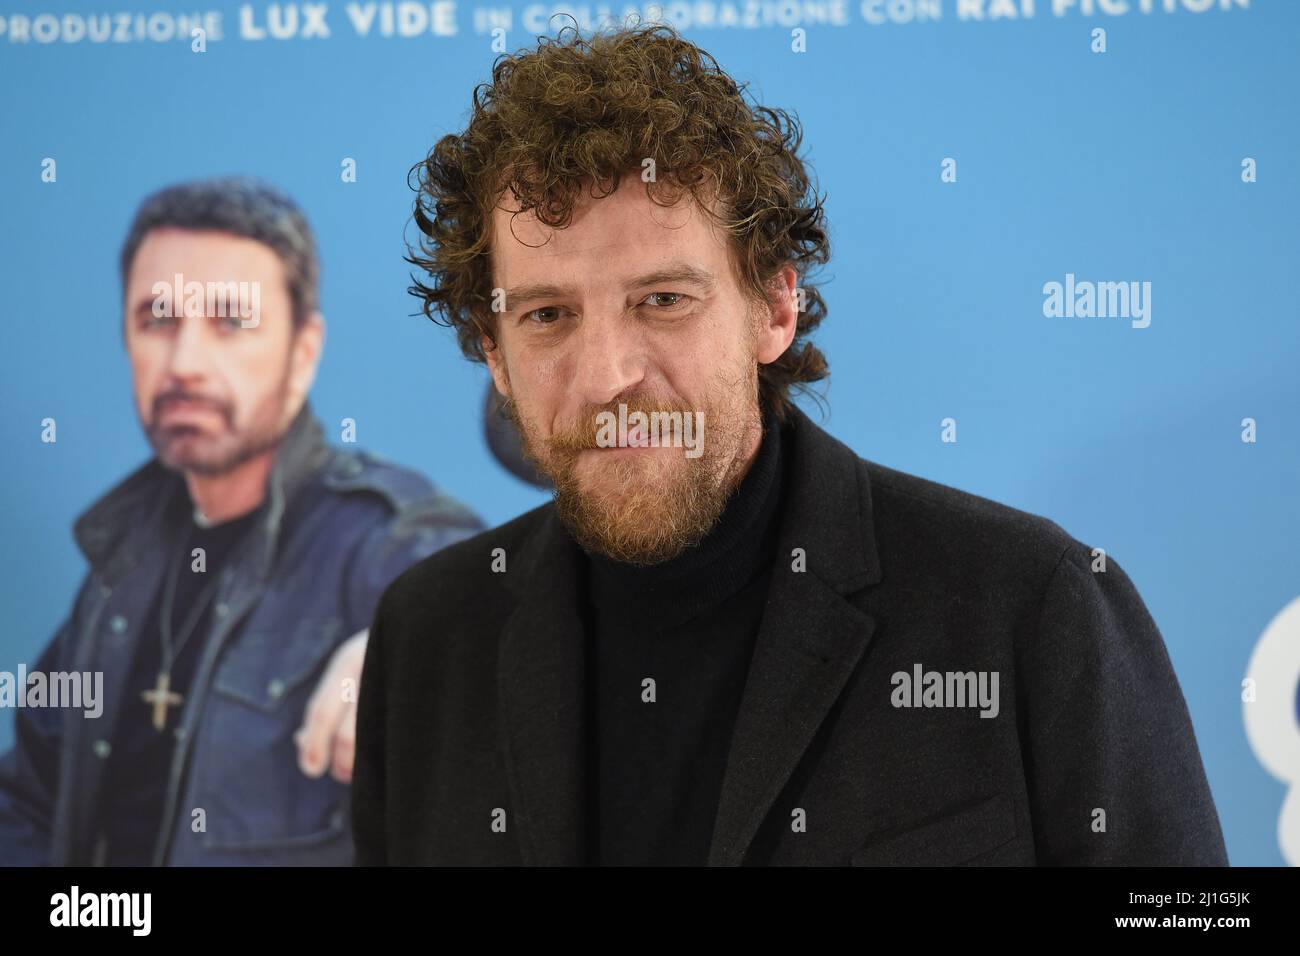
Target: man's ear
pixel 496 365
pixel 308 343
pixel 779 317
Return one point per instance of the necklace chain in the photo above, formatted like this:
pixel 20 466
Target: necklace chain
pixel 170 652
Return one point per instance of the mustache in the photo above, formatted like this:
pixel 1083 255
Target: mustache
pixel 581 434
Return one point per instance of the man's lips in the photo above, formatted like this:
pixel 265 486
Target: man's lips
pixel 637 437
pixel 183 408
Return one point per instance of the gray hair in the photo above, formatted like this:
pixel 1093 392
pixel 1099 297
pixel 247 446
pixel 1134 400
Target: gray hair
pixel 242 206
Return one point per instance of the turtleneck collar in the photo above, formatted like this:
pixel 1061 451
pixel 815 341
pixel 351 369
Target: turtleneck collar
pixel 738 547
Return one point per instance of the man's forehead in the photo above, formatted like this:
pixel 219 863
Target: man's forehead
pixel 202 250
pixel 608 238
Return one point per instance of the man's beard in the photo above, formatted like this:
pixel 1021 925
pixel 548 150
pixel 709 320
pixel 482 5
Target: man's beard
pixel 651 505
pixel 186 448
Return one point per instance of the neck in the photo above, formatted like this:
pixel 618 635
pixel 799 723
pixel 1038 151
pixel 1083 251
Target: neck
pixel 233 493
pixel 749 447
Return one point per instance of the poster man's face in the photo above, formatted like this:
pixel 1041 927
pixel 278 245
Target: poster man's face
pixel 213 390
pixel 633 303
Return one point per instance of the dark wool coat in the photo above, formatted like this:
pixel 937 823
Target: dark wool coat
pixel 471 714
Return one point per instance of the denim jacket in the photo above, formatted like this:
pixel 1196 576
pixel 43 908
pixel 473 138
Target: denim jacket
pixel 337 527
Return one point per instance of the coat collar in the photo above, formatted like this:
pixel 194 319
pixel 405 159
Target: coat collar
pixel 809 642
pixel 113 532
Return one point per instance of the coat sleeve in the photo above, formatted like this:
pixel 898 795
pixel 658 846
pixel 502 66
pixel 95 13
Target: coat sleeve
pixel 1115 775
pixel 415 531
pixel 29 771
pixel 369 832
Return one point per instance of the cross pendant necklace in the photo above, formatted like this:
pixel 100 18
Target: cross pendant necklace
pixel 162 696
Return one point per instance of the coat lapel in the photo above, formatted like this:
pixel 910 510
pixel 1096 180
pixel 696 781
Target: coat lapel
pixel 811 637
pixel 541 675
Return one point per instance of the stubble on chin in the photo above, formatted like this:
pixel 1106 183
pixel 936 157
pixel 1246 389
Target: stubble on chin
pixel 641 508
pixel 188 449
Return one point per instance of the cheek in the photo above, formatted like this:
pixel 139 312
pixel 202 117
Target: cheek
pixel 538 383
pixel 252 369
pixel 690 371
pixel 543 367
pixel 146 375
pixel 712 354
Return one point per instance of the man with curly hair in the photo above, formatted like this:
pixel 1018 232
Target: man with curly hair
pixel 729 639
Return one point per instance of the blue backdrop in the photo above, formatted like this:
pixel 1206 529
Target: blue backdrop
pixel 1117 166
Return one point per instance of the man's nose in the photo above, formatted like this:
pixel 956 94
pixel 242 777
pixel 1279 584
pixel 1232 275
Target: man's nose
pixel 611 357
pixel 190 355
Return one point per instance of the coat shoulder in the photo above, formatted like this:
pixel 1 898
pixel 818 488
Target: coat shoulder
pixel 959 541
pixel 402 490
pixel 439 584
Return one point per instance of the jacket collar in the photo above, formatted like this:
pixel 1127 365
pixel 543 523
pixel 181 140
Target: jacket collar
pixel 810 640
pixel 113 532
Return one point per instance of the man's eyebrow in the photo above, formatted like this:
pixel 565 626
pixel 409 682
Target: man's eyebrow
pixel 144 305
pixel 531 291
pixel 676 274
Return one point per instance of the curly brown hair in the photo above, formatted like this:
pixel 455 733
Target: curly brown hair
pixel 576 112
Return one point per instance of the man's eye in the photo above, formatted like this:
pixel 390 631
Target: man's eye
pixel 157 321
pixel 543 316
pixel 229 322
pixel 675 296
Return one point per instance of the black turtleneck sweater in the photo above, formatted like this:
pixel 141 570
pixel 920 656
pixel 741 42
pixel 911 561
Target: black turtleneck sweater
pixel 689 625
